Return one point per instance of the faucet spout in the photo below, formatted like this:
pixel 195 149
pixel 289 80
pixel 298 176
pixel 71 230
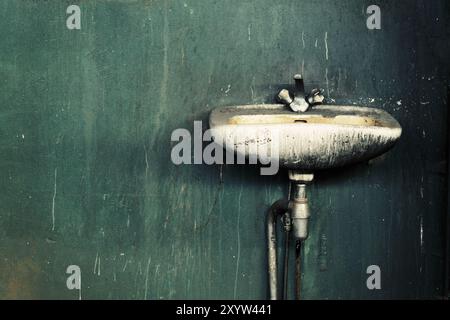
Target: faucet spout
pixel 299 104
pixel 299 85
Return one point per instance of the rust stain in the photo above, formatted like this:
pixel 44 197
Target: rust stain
pixel 21 279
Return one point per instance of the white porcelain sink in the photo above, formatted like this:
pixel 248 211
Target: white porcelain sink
pixel 325 136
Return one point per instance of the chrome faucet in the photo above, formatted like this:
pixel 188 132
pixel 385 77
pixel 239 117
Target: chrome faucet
pixel 300 102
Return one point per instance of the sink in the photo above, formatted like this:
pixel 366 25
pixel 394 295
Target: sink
pixel 326 136
pixel 321 137
pixel 303 135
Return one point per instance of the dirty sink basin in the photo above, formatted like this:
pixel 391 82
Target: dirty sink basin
pixel 325 136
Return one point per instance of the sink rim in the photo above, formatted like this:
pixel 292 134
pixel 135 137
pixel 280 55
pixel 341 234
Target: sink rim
pixel 221 116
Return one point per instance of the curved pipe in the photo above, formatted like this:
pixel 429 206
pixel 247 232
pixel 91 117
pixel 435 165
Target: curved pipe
pixel 278 208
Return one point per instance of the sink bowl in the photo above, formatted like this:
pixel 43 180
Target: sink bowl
pixel 326 136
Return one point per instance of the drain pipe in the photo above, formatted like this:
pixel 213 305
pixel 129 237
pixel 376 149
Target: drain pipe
pixel 279 208
pixel 298 209
pixel 298 273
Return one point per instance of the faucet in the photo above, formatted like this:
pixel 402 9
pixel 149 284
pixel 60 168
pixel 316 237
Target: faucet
pixel 300 102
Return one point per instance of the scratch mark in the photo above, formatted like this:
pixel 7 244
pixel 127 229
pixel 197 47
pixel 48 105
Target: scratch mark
pixel 98 268
pixel 238 244
pixel 215 201
pixel 303 39
pixel 125 266
pixel 326 81
pixel 326 45
pixel 165 72
pixel 53 201
pixel 182 56
pixel 146 160
pixel 136 278
pixel 249 31
pixel 315 44
pixel 146 278
pixel 95 263
pixel 421 241
pixel 155 276
pixel 252 88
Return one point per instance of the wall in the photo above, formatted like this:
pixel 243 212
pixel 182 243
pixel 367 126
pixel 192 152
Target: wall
pixel 85 123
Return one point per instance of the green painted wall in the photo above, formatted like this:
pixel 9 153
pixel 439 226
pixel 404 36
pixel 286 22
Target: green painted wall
pixel 85 123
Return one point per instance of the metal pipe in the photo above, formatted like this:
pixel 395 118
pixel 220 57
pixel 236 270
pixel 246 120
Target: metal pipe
pixel 286 265
pixel 278 208
pixel 287 225
pixel 299 209
pixel 298 272
pixel 296 215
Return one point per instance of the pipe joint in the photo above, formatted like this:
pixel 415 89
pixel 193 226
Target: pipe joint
pixel 300 213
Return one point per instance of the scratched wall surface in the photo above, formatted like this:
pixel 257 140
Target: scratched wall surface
pixel 85 123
